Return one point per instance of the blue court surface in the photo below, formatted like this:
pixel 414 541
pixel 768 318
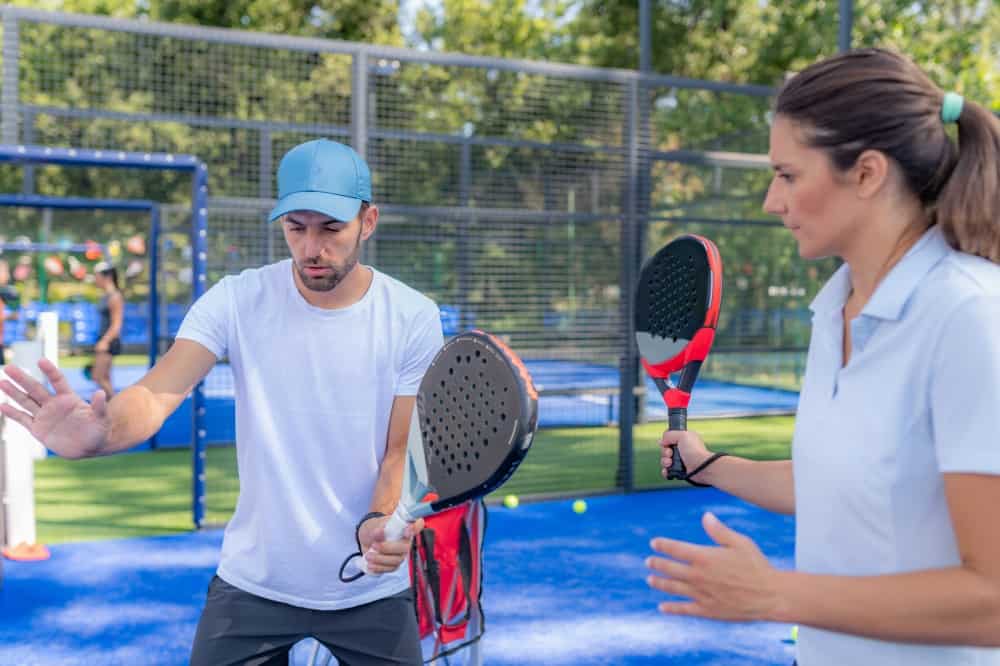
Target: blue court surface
pixel 560 588
pixel 710 399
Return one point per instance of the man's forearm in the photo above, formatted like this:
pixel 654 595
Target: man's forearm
pixel 388 487
pixel 135 416
pixel 767 483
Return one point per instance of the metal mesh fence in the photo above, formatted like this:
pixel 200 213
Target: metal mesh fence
pixel 50 254
pixel 521 196
pixel 47 260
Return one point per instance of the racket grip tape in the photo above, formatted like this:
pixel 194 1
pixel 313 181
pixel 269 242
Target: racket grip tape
pixel 395 527
pixel 393 532
pixel 678 418
pixel 678 421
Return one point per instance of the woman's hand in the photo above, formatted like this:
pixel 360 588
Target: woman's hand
pixel 730 581
pixel 689 443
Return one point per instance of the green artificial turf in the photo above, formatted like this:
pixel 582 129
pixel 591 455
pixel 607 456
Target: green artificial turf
pixel 149 493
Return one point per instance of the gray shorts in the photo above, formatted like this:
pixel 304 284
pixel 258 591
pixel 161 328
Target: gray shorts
pixel 237 627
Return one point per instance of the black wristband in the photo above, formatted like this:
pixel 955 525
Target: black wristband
pixel 357 528
pixel 711 459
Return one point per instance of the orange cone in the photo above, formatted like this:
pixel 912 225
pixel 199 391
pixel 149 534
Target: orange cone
pixel 27 552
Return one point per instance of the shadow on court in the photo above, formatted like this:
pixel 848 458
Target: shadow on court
pixel 561 588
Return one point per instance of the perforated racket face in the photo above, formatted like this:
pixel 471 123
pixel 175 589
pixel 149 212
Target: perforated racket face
pixel 478 412
pixel 673 299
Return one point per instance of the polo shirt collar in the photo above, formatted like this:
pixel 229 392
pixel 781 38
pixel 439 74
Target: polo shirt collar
pixel 896 288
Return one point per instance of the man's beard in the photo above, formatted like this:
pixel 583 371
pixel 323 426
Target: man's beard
pixel 337 272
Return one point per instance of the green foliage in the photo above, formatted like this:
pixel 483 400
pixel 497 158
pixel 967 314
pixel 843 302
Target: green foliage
pixel 349 20
pixel 749 41
pixel 504 28
pixel 530 142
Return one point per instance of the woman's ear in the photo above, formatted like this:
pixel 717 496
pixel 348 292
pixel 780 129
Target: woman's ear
pixel 870 173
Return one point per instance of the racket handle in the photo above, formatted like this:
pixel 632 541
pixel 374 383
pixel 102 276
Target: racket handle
pixel 678 421
pixel 678 418
pixel 394 529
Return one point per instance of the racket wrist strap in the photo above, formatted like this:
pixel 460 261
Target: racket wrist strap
pixel 711 459
pixel 357 537
pixel 357 528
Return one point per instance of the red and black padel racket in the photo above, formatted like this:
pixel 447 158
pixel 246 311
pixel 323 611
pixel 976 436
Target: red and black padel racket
pixel 475 418
pixel 676 311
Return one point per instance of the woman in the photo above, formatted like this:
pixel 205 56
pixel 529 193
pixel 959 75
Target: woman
pixel 109 344
pixel 7 296
pixel 895 469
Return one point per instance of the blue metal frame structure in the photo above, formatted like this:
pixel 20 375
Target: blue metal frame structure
pixel 28 154
pixel 151 208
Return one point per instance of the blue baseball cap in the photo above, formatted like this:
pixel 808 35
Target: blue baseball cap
pixel 322 176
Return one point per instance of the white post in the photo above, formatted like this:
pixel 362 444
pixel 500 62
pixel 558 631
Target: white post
pixel 17 498
pixel 48 335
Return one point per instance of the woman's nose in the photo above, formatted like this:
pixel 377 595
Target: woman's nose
pixel 772 201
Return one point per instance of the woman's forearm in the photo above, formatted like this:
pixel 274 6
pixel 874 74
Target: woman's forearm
pixel 954 606
pixel 766 483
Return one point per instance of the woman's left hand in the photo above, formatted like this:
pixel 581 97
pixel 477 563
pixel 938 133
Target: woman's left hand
pixel 730 581
pixel 101 346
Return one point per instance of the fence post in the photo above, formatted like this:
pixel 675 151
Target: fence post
pixel 199 420
pixel 265 180
pixel 628 369
pixel 11 80
pixel 645 36
pixel 463 260
pixel 359 126
pixel 28 170
pixel 154 293
pixel 845 25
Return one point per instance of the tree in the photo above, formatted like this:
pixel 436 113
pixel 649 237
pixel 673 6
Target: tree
pixel 371 21
pixel 748 41
pixel 503 28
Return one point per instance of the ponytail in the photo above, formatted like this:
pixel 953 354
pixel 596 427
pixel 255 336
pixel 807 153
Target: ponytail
pixel 968 206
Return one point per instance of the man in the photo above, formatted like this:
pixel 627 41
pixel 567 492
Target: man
pixel 327 355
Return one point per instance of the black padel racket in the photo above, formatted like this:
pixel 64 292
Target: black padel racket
pixel 476 414
pixel 676 312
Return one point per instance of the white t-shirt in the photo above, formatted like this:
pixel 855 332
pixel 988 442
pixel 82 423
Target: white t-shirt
pixel 920 397
pixel 314 389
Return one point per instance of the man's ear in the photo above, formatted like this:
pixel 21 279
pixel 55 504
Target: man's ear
pixel 369 220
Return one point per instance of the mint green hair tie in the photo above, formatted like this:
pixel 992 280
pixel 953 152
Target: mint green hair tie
pixel 951 107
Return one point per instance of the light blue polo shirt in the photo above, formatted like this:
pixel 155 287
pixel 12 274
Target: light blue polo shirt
pixel 920 397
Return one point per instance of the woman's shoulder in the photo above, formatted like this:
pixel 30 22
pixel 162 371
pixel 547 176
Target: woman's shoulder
pixel 963 297
pixel 961 276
